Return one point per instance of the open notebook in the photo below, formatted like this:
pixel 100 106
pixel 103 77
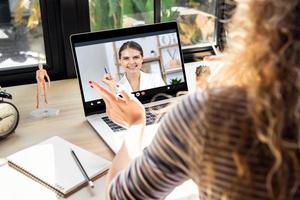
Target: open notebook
pixel 51 164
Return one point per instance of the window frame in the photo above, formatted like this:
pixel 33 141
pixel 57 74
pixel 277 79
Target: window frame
pixel 53 50
pixel 196 53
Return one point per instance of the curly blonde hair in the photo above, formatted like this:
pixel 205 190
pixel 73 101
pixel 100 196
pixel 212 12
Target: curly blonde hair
pixel 263 56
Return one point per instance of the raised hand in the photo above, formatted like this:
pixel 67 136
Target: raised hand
pixel 108 80
pixel 123 109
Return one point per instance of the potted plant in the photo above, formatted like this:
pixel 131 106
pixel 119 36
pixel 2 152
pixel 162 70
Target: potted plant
pixel 175 81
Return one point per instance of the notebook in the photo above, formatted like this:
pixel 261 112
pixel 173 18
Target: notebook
pixel 51 164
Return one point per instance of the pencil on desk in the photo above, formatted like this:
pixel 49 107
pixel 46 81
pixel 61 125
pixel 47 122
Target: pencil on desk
pixel 90 182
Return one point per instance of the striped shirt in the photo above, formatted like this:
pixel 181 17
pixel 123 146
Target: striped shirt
pixel 214 165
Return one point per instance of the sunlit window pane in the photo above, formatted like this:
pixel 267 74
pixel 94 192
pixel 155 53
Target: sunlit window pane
pixel 196 20
pixel 109 14
pixel 21 34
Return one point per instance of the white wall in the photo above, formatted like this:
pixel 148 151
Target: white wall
pixel 91 61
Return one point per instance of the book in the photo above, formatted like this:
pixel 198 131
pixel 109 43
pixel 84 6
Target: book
pixel 51 164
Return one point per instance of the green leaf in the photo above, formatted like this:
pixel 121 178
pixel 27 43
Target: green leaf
pixel 105 14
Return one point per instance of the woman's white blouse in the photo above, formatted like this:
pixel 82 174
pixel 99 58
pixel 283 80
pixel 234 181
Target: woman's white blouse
pixel 147 81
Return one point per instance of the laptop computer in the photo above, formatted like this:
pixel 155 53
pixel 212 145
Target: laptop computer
pixel 97 54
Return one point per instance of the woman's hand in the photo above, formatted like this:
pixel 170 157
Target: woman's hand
pixel 125 109
pixel 108 80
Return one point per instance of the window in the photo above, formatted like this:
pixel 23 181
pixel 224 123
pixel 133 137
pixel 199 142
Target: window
pixel 119 13
pixel 196 18
pixel 30 33
pixel 43 35
pixel 21 34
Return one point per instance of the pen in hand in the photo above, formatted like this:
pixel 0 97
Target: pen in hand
pixel 90 182
pixel 107 75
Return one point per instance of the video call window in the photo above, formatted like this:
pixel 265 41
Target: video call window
pixel 160 64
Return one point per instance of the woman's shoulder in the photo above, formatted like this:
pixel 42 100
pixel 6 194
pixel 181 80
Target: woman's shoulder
pixel 216 96
pixel 217 108
pixel 231 92
pixel 228 95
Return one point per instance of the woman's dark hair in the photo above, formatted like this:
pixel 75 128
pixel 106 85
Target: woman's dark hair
pixel 132 45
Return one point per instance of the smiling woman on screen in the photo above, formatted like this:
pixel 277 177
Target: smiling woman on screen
pixel 131 58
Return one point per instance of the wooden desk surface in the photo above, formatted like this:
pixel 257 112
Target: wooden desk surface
pixel 70 124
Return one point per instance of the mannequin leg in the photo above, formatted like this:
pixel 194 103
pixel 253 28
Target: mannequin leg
pixel 45 92
pixel 37 95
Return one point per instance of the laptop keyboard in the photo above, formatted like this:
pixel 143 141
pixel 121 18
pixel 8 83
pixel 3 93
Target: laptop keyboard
pixel 151 118
pixel 113 126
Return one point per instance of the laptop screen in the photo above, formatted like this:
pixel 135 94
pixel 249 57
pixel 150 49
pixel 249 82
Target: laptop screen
pixel 146 60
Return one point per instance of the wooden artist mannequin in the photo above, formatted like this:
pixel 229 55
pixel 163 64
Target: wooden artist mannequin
pixel 41 84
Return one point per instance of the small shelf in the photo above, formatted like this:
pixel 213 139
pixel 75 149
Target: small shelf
pixel 168 46
pixel 151 59
pixel 173 70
